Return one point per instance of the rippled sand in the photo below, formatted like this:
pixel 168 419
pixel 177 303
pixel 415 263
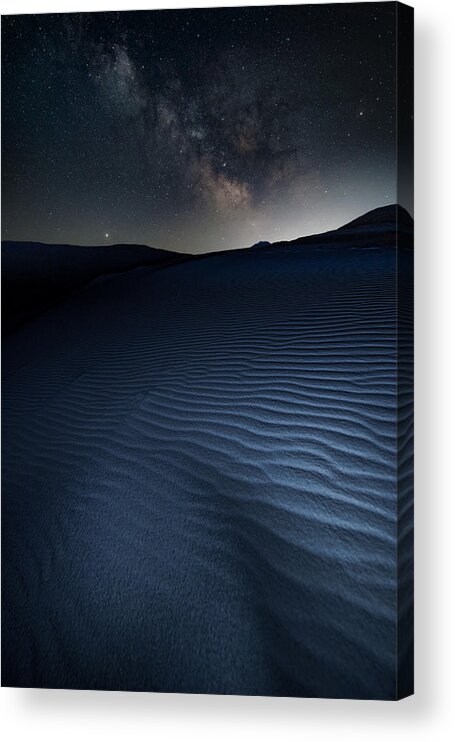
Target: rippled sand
pixel 200 478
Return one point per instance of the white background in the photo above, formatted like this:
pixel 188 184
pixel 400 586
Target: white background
pixel 82 715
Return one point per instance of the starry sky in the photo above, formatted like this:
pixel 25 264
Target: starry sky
pixel 197 130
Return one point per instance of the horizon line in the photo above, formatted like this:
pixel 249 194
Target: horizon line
pixel 228 249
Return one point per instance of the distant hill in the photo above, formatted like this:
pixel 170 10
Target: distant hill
pixel 383 215
pixel 385 225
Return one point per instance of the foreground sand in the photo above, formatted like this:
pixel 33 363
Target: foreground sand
pixel 199 476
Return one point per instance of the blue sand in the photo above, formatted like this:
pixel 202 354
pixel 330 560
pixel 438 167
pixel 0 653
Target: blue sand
pixel 200 476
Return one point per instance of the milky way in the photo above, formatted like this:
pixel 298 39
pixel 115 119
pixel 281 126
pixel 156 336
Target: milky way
pixel 197 130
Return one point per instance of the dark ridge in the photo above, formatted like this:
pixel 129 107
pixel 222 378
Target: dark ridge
pixel 36 276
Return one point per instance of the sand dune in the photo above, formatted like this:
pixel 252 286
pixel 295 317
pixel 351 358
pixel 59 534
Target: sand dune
pixel 200 476
pixel 38 276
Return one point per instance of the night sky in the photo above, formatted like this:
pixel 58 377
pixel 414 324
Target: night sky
pixel 197 130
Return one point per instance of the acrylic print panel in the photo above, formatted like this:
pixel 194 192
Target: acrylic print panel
pixel 207 351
